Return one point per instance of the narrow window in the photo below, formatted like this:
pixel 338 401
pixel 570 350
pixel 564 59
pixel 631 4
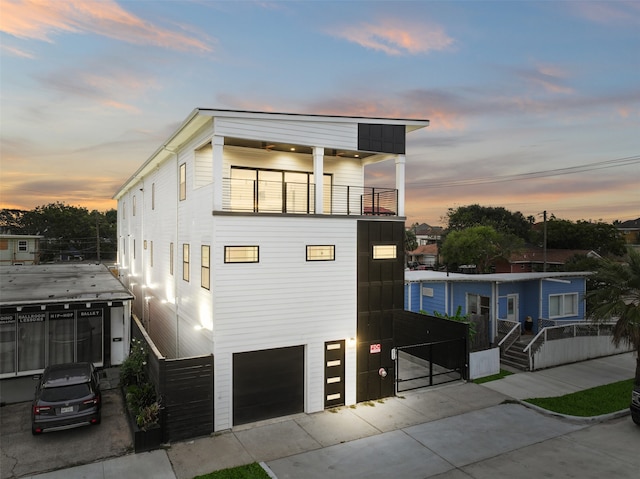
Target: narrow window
pixel 151 253
pixel 183 181
pixel 384 251
pixel 134 248
pixel 133 205
pixel 321 252
pixel 171 259
pixel 205 265
pixel 185 262
pixel 153 196
pixel 241 254
pixel 124 210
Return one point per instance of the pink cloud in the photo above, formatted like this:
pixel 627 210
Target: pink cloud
pixel 41 19
pixel 609 13
pixel 395 37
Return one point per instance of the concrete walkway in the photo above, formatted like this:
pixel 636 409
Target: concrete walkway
pixel 419 434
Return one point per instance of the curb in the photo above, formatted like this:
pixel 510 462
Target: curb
pixel 577 419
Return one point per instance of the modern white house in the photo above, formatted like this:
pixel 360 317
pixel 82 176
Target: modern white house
pixel 252 236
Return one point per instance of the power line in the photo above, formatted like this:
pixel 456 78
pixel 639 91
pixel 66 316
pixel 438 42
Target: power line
pixel 616 163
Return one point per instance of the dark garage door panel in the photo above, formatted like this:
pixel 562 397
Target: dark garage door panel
pixel 268 383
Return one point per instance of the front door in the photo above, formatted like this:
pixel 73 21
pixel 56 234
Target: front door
pixel 512 307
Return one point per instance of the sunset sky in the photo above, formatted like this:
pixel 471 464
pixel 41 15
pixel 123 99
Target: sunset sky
pixel 533 105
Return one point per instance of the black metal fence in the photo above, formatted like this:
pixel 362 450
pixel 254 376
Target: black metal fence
pixel 185 388
pixel 429 350
pixel 430 364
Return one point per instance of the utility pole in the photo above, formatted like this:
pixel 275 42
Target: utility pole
pixel 544 266
pixel 97 236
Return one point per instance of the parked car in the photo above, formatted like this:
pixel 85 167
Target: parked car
pixel 635 405
pixel 67 396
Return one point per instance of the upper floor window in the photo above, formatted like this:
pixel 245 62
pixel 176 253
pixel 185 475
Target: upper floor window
pixel 171 259
pixel 183 181
pixel 276 191
pixel 185 262
pixel 561 305
pixel 384 251
pixel 321 252
pixel 205 265
pixel 241 254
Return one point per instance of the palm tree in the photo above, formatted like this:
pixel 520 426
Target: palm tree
pixel 616 296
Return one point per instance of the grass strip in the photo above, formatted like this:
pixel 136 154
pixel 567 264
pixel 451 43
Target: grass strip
pixel 590 402
pixel 493 377
pixel 249 471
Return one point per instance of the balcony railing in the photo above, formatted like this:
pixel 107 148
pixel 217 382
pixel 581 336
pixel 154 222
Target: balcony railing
pixel 257 196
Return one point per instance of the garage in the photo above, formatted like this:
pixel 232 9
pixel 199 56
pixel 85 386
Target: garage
pixel 267 384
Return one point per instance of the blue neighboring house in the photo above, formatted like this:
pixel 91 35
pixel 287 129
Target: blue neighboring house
pixel 547 297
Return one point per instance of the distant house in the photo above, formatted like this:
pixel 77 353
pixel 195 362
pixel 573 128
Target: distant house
pixel 546 297
pixel 19 249
pixel 427 234
pixel 630 231
pixel 534 259
pixel 425 255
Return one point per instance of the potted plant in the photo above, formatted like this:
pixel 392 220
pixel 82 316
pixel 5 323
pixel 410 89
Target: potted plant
pixel 143 405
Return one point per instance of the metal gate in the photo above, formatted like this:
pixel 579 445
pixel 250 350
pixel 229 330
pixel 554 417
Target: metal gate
pixel 429 364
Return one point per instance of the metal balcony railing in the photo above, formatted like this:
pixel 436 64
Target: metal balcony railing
pixel 257 196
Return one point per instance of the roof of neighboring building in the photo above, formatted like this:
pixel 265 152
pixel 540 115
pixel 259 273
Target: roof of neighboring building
pixel 425 249
pixel 10 236
pixel 59 283
pixel 554 256
pixel 629 225
pixel 417 276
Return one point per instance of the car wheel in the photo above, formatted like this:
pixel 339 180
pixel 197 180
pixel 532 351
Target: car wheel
pixel 636 418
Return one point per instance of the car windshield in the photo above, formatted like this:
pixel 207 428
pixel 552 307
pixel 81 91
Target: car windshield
pixel 65 393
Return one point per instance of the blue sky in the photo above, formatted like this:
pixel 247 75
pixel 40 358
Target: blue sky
pixel 533 105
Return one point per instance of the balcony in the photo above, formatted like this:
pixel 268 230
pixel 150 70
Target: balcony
pixel 258 196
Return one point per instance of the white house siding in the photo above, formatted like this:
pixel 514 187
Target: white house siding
pixel 283 300
pixel 312 133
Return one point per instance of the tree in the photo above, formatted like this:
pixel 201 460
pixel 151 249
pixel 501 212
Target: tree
pixel 66 229
pixel 600 237
pixel 479 245
pixel 499 218
pixel 616 296
pixel 410 242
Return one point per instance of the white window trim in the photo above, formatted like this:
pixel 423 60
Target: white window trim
pixel 563 298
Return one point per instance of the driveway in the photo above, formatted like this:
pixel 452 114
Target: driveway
pixel 24 454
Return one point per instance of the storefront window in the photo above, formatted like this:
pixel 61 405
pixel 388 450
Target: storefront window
pixel 7 343
pixel 31 341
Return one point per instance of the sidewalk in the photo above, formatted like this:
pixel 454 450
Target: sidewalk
pixel 395 436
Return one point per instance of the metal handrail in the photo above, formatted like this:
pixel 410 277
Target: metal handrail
pixel 510 336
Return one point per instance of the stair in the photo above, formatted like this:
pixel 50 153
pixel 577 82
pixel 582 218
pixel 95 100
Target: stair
pixel 515 357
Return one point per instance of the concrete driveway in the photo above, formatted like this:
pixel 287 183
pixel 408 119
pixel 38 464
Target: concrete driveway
pixel 24 454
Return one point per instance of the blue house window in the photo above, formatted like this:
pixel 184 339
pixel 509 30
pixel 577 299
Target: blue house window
pixel 562 305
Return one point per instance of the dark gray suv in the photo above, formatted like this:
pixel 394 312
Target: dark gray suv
pixel 67 395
